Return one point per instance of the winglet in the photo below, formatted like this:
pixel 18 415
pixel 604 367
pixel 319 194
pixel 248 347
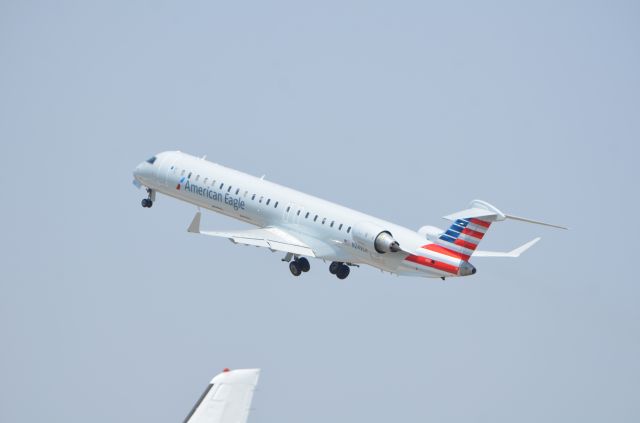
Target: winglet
pixel 513 253
pixel 194 227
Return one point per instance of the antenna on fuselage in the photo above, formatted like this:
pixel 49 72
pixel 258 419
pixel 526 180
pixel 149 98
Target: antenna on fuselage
pixel 262 177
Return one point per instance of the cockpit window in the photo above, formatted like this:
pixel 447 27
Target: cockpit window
pixel 151 160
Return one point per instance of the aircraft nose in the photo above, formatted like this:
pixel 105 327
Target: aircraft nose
pixel 142 172
pixel 137 172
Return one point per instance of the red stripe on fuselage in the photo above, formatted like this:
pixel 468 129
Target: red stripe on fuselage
pixel 432 263
pixel 447 252
pixel 479 222
pixel 472 233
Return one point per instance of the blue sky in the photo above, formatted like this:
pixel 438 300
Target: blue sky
pixel 405 110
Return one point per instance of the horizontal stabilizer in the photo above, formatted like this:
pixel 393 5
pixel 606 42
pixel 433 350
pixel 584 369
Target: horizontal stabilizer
pixel 478 209
pixel 470 213
pixel 272 238
pixel 513 253
pixel 483 210
pixel 537 222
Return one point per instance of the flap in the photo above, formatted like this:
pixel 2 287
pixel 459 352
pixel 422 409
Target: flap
pixel 271 237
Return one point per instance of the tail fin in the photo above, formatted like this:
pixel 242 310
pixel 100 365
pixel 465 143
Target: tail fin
pixel 470 225
pixel 227 399
pixel 464 235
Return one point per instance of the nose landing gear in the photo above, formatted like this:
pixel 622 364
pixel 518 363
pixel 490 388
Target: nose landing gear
pixel 148 202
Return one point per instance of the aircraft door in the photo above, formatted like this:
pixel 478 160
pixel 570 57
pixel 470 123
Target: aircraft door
pixel 299 215
pixel 170 171
pixel 289 213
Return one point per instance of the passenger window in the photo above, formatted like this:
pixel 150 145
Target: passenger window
pixel 288 208
pixel 237 191
pixel 340 227
pixel 245 194
pixel 221 185
pixel 253 197
pixel 332 222
pixel 306 216
pixel 213 183
pixel 205 181
pixel 349 229
pixel 315 218
pixel 182 173
pixel 229 189
pixel 298 214
pixel 324 219
pixel 189 177
pixel 198 178
pixel 268 201
pixel 275 206
pixel 261 197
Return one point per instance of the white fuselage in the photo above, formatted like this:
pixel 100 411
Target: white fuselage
pixel 325 225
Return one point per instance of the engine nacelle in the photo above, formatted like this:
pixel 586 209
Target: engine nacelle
pixel 370 235
pixel 430 232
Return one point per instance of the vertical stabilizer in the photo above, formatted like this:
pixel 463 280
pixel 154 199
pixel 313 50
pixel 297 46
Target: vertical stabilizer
pixel 227 399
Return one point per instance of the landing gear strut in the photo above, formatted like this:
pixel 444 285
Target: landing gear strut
pixel 339 269
pixel 148 202
pixel 299 265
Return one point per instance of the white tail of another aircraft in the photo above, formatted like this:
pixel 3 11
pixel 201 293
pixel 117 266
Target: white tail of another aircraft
pixel 227 399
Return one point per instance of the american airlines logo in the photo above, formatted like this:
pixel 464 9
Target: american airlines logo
pixel 227 198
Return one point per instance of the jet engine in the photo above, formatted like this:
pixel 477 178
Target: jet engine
pixel 370 235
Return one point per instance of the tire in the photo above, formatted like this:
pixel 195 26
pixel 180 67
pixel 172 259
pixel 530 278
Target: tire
pixel 343 272
pixel 334 267
pixel 304 264
pixel 145 202
pixel 294 267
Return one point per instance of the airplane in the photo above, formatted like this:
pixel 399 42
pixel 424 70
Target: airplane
pixel 301 225
pixel 227 398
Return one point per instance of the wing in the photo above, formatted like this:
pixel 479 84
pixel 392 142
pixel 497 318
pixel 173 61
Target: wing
pixel 272 238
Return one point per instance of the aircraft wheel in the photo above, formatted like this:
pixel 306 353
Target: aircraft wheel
pixel 304 264
pixel 146 203
pixel 334 267
pixel 343 272
pixel 295 269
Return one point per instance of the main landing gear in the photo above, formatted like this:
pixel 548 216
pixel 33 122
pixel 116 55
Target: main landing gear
pixel 148 202
pixel 299 265
pixel 339 269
